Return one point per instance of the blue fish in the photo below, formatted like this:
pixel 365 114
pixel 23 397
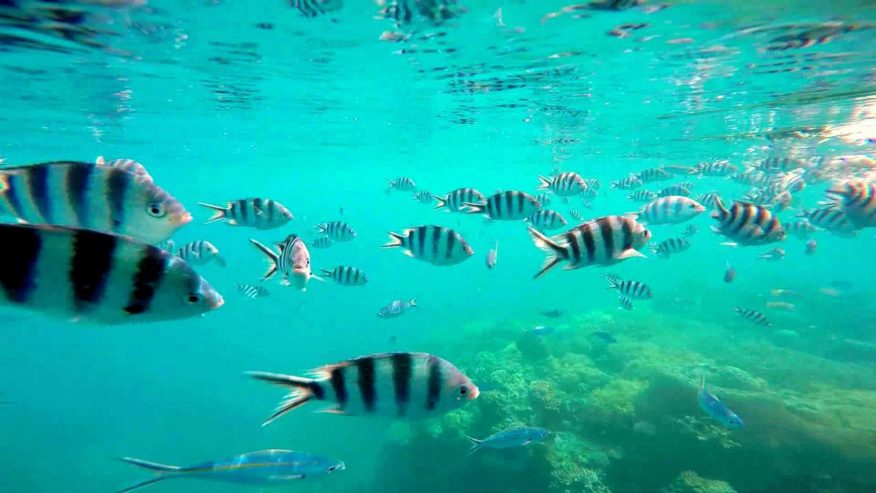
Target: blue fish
pixel 518 437
pixel 540 330
pixel 265 468
pixel 717 409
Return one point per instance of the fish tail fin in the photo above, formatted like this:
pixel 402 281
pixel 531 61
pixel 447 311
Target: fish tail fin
pixel 476 444
pixel 273 259
pixel 325 272
pixel 474 208
pixel 321 228
pixel 219 212
pixel 143 483
pixel 152 466
pixel 395 240
pixel 612 282
pixel 303 391
pixel 413 303
pixel 4 182
pixel 442 202
pixel 555 252
pixel 720 211
pixel 545 183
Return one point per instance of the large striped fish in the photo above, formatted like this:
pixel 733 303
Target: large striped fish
pixel 510 205
pixel 433 244
pixel 255 213
pixel 102 197
pixel 747 224
pixel 673 209
pixel 293 261
pixel 401 385
pixel 97 277
pixel 603 241
pixel 858 200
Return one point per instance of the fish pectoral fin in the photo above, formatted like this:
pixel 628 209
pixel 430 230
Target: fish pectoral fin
pixel 571 267
pixel 333 410
pixel 629 253
pixel 409 253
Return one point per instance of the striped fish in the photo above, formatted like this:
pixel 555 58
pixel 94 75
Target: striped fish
pixel 671 246
pixel 679 189
pixel 255 213
pixel 423 197
pixel 576 215
pixel 690 230
pixel 631 182
pixel 633 289
pixel 801 229
pixel 88 275
pixel 776 164
pixel 747 224
pixel 401 184
pixel 314 8
pixel 546 219
pixel 292 261
pixel 510 205
pixel 200 253
pixel 752 315
pixel 82 195
pixel 673 209
pixel 642 196
pixel 624 302
pixel 752 177
pixel 399 385
pixel 346 275
pixel 336 230
pixel 543 199
pixel 834 220
pixel 566 184
pixel 167 245
pixel 455 201
pixel 129 165
pixel 651 175
pixel 603 241
pixel 396 308
pixel 858 200
pixel 321 242
pixel 253 292
pixel 709 199
pixel 433 244
pixel 715 168
pixel 589 194
pixel 592 183
pixel 611 277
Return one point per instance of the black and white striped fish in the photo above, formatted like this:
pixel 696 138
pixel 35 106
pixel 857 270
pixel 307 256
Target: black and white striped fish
pixel 200 253
pixel 255 213
pixel 753 178
pixel 336 230
pixel 603 241
pixel 747 224
pixel 633 289
pixel 292 261
pixel 401 184
pixel 511 205
pixel 611 277
pixel 775 164
pixel 651 175
pixel 624 302
pixel 690 230
pixel 801 229
pixel 455 201
pixel 679 189
pixel 83 195
pixel 433 244
pixel 566 184
pixel 321 242
pixel 715 168
pixel 671 246
pixel 834 220
pixel 709 199
pixel 546 219
pixel 543 199
pixel 857 198
pixel 673 209
pixel 423 197
pixel 346 275
pixel 576 215
pixel 753 316
pixel 631 182
pixel 592 183
pixel 398 385
pixel 253 292
pixel 642 195
pixel 314 8
pixel 128 165
pixel 88 275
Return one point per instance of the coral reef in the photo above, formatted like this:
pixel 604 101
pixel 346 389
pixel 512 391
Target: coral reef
pixel 691 482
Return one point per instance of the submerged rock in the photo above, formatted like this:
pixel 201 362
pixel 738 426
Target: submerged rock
pixel 691 482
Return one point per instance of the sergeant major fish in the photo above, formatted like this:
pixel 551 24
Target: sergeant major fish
pixel 253 292
pixel 336 230
pixel 346 275
pixel 401 184
pixel 546 219
pixel 747 224
pixel 858 200
pixel 624 302
pixel 263 468
pixel 433 244
pixel 510 205
pixel 255 213
pixel 633 289
pixel 200 253
pixel 753 316
pixel 455 201
pixel 716 168
pixel 399 385
pixel 88 275
pixel 717 409
pixel 91 196
pixel 423 197
pixel 673 209
pixel 519 437
pixel 651 175
pixel 671 246
pixel 566 184
pixel 292 261
pixel 631 182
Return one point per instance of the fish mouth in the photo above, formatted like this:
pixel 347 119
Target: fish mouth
pixel 475 392
pixel 217 302
pixel 182 218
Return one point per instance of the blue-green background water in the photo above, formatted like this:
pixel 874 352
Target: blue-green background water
pixel 318 114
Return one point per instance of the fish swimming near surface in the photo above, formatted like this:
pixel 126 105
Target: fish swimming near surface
pixel 801 229
pixel 546 219
pixel 673 209
pixel 433 244
pixel 336 230
pixel 671 246
pixel 262 468
pixel 314 8
pixel 857 198
pixel 753 316
pixel 715 168
pixel 834 220
pixel 401 184
pixel 258 213
pixel 493 256
pixel 709 199
pixel 675 190
pixel 97 277
pixel 603 241
pixel 455 201
pixel 253 292
pixel 747 224
pixel 346 275
pixel 396 308
pixel 633 289
pixel 201 252
pixel 292 261
pixel 91 196
pixel 510 205
pixel 566 184
pixel 519 437
pixel 719 411
pixel 399 385
pixel 729 273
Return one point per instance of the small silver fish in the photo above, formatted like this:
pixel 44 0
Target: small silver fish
pixel 396 308
pixel 717 409
pixel 729 273
pixel 811 247
pixel 773 255
pixel 493 256
pixel 519 437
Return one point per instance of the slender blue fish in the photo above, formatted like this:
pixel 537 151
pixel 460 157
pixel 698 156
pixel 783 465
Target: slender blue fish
pixel 717 409
pixel 519 437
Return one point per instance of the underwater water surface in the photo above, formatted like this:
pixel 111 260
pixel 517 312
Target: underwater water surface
pixel 320 105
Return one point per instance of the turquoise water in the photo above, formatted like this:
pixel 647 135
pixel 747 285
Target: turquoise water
pixel 226 100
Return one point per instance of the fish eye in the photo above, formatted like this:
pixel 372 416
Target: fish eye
pixel 156 209
pixel 463 390
pixel 331 468
pixel 194 298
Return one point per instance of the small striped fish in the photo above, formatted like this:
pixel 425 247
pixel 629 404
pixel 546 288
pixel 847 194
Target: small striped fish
pixel 88 275
pixel 747 224
pixel 671 246
pixel 592 183
pixel 292 261
pixel 679 189
pixel 775 164
pixel 624 302
pixel 716 168
pixel 314 8
pixel 200 253
pixel 510 205
pixel 754 316
pixel 543 199
pixel 642 196
pixel 690 230
pixel 253 292
pixel 546 219
pixel 576 215
pixel 631 182
pixel 255 213
pixel 651 175
pixel 433 244
pixel 401 184
pixel 611 277
pixel 321 242
pixel 709 199
pixel 833 220
pixel 346 275
pixel 858 201
pixel 455 201
pixel 399 385
pixel 589 194
pixel 633 289
pixel 752 178
pixel 423 197
pixel 603 241
pixel 336 230
pixel 101 197
pixel 566 184
pixel 801 229
pixel 673 209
